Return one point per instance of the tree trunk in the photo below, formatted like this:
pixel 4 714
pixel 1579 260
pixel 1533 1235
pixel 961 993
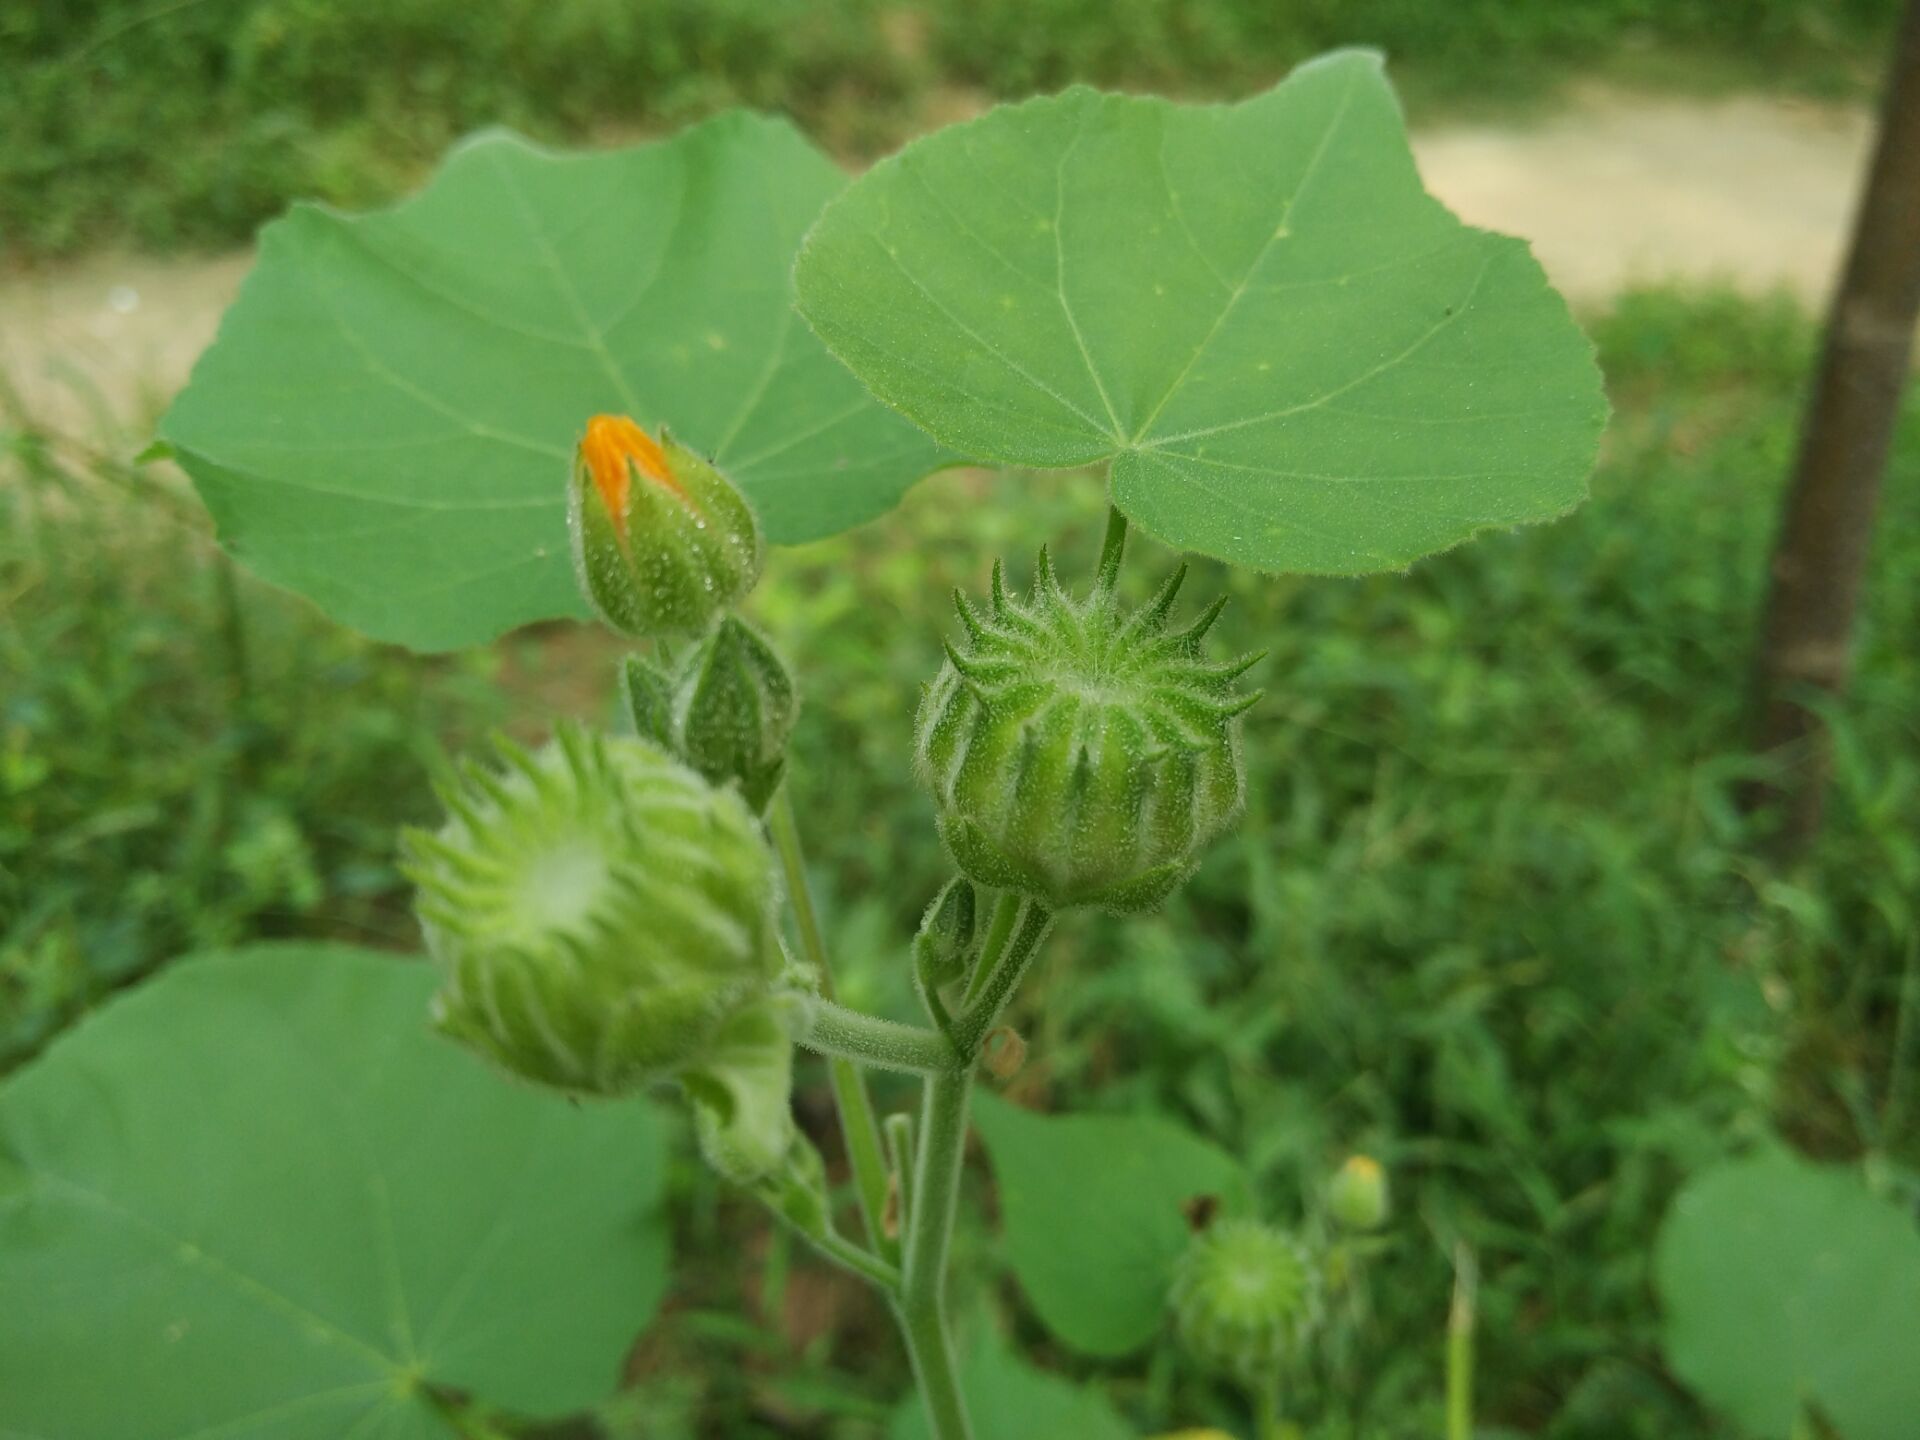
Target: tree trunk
pixel 1820 557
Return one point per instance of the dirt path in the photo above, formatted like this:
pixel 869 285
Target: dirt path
pixel 1613 189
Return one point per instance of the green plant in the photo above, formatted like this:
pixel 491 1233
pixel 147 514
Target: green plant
pixel 1310 367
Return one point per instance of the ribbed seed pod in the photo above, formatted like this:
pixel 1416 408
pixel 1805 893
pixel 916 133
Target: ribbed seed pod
pixel 603 919
pixel 1078 754
pixel 1244 1295
pixel 662 541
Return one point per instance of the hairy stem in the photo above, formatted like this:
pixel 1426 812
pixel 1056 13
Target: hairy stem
pixel 922 1303
pixel 999 931
pixel 858 1127
pixel 1035 919
pixel 1111 549
pixel 846 1034
pixel 864 1263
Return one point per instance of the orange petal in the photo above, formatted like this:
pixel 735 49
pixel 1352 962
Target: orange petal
pixel 613 448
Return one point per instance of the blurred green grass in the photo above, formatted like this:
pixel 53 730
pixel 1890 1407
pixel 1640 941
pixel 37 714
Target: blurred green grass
pixel 1493 916
pixel 187 122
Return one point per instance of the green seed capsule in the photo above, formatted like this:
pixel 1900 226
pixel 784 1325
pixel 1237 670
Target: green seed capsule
pixel 603 920
pixel 1077 754
pixel 1357 1196
pixel 662 541
pixel 1244 1295
pixel 727 709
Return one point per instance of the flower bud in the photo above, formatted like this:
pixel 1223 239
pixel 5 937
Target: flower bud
pixel 1244 1295
pixel 726 709
pixel 945 943
pixel 1079 755
pixel 603 920
pixel 662 541
pixel 1357 1195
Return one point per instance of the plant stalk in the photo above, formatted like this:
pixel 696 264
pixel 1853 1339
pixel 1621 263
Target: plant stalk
pixel 1035 920
pixel 922 1303
pixel 1460 1344
pixel 841 1033
pixel 858 1125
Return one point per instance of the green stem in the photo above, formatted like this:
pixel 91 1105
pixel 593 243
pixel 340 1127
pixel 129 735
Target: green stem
pixel 1111 549
pixel 862 1262
pixel 848 1034
pixel 1035 919
pixel 1266 1409
pixel 922 1304
pixel 999 931
pixel 1460 1345
pixel 858 1126
pixel 899 1130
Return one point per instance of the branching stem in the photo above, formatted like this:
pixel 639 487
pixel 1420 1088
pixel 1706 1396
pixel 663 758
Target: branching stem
pixel 846 1034
pixel 858 1125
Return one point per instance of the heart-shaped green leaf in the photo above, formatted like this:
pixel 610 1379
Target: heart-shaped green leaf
pixel 1295 358
pixel 1787 1284
pixel 258 1200
pixel 1091 1209
pixel 386 420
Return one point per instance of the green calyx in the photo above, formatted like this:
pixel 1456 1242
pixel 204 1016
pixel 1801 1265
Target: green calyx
pixel 1244 1295
pixel 603 920
pixel 726 707
pixel 1079 754
pixel 662 541
pixel 946 940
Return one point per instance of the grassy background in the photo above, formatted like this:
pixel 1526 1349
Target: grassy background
pixel 1494 915
pixel 176 123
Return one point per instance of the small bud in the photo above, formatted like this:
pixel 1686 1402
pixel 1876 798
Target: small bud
pixel 1077 754
pixel 1357 1196
pixel 1004 1052
pixel 1244 1295
pixel 727 709
pixel 603 920
pixel 733 711
pixel 662 541
pixel 945 943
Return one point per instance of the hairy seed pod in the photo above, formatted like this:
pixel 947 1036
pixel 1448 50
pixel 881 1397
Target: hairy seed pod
pixel 1357 1195
pixel 1244 1295
pixel 603 920
pixel 726 708
pixel 662 541
pixel 1079 754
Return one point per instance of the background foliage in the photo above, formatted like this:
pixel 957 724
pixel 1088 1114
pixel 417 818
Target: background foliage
pixel 1494 915
pixel 262 101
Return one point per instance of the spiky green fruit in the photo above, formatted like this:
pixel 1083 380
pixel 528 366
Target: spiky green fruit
pixel 1243 1297
pixel 1079 754
pixel 726 707
pixel 662 541
pixel 603 920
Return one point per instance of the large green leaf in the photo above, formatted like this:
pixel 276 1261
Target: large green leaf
pixel 1008 1400
pixel 386 419
pixel 1295 358
pixel 1091 1207
pixel 258 1198
pixel 1787 1283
